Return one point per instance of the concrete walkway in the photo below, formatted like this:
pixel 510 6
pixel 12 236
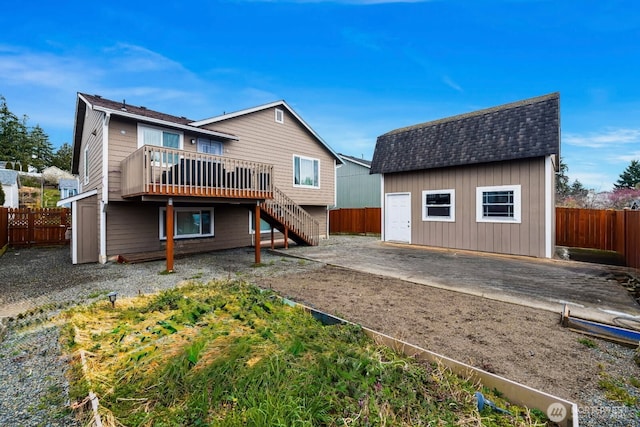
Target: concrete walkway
pixel 591 290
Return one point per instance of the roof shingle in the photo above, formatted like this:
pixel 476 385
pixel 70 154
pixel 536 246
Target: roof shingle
pixel 519 130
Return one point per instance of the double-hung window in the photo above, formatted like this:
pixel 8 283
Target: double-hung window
pixel 161 138
pixel 306 172
pixel 188 223
pixel 499 204
pixel 209 146
pixel 439 205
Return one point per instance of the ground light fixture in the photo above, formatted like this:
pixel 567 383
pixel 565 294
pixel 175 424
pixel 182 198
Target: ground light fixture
pixel 112 298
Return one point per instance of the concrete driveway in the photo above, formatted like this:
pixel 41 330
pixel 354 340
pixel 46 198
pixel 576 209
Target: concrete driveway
pixel 591 290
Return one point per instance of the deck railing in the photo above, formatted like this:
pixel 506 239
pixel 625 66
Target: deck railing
pixel 152 170
pixel 292 216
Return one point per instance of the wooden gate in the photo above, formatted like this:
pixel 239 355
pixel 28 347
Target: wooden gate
pixel 39 227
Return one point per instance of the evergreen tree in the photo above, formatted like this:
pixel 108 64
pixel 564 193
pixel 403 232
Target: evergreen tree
pixel 630 178
pixel 40 148
pixel 62 157
pixel 13 135
pixel 562 181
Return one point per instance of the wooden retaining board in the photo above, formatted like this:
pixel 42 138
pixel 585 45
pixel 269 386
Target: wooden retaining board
pixel 515 392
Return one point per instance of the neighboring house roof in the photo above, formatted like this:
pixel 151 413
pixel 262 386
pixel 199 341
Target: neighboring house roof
pixel 8 177
pixel 519 130
pixel 357 161
pixel 71 184
pixel 280 103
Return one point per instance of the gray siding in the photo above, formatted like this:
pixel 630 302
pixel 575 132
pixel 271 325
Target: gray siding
pixel 525 238
pixel 356 188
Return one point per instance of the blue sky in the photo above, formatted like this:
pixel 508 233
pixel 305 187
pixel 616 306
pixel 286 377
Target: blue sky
pixel 352 69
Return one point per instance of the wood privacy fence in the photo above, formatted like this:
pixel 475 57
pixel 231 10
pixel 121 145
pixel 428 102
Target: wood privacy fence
pixel 607 230
pixel 355 220
pixel 4 227
pixel 29 227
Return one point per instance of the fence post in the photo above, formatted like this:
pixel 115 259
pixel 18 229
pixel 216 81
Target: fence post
pixel 4 227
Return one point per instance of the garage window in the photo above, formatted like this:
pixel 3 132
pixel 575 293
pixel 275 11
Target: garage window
pixel 499 204
pixel 439 205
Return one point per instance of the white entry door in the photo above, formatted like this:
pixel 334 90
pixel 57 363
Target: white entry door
pixel 397 217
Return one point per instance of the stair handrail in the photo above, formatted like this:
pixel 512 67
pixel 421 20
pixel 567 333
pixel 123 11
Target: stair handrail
pixel 293 216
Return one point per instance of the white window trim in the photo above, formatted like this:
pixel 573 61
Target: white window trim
pixel 452 211
pixel 279 115
pixel 251 230
pixel 202 141
pixel 185 236
pixel 141 128
pixel 517 204
pixel 293 164
pixel 86 165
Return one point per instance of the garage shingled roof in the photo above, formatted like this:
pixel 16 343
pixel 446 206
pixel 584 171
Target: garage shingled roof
pixel 524 129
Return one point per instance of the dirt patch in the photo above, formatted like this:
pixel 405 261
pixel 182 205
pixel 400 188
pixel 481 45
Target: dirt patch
pixel 517 342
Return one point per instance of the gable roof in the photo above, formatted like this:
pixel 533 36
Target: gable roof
pixel 280 103
pixel 519 130
pixel 139 114
pixel 357 161
pixel 8 177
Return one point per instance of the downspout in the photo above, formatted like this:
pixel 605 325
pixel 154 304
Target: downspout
pixel 104 200
pixel 549 207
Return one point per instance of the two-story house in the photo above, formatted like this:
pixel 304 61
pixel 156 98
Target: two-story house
pixel 143 172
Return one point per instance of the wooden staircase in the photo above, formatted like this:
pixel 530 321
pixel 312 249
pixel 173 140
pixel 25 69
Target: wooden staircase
pixel 286 216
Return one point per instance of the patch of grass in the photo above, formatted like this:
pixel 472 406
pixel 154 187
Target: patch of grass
pixel 587 342
pixel 634 382
pixel 229 354
pixel 165 272
pixel 97 293
pixel 615 389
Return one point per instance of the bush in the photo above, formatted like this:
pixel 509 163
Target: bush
pixel 1 196
pixel 9 165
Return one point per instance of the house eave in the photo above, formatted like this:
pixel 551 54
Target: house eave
pixel 164 123
pixel 280 103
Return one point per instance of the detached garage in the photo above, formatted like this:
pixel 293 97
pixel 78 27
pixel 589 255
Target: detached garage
pixel 482 181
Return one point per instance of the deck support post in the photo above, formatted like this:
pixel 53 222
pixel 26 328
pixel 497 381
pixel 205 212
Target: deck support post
pixel 169 232
pixel 286 237
pixel 256 227
pixel 272 239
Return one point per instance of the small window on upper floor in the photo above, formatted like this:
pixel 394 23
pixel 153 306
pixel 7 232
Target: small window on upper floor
pixel 209 146
pixel 279 116
pixel 86 165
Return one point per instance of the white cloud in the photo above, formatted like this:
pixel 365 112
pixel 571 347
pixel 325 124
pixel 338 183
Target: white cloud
pixel 20 67
pixel 449 82
pixel 603 139
pixel 132 58
pixel 625 158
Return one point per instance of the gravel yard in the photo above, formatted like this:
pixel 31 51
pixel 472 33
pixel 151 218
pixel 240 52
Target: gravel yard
pixel 533 350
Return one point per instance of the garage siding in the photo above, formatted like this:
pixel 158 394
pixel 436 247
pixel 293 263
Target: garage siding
pixel 525 238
